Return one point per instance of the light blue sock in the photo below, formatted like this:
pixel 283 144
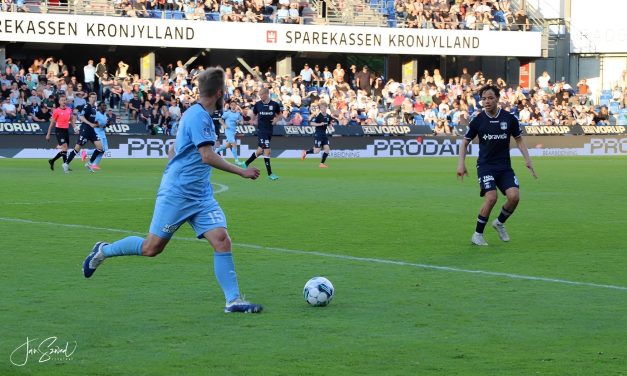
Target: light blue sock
pixel 234 151
pixel 224 270
pixel 98 158
pixel 129 246
pixel 220 149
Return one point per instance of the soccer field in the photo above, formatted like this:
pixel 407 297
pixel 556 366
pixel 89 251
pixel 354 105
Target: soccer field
pixel 413 297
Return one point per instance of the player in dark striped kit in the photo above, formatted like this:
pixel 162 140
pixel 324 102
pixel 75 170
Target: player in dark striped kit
pixel 266 113
pixel 321 121
pixel 494 128
pixel 87 133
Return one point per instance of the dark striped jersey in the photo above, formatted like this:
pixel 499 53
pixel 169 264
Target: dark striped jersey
pixel 265 114
pixel 494 137
pixel 321 130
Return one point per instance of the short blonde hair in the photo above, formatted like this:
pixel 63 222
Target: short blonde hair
pixel 210 81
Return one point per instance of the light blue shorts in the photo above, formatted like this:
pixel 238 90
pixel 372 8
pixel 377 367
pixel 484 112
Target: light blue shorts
pixel 103 138
pixel 171 212
pixel 230 137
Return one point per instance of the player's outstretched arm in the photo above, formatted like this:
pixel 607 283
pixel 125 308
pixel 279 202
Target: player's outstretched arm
pixel 525 152
pixel 461 164
pixel 52 124
pixel 210 157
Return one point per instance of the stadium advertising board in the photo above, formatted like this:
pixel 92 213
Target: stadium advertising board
pixel 539 130
pixel 42 128
pixel 25 146
pixel 79 29
pixel 245 130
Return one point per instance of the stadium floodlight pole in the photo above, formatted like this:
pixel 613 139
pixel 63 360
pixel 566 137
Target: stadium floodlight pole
pixel 248 68
pixel 193 58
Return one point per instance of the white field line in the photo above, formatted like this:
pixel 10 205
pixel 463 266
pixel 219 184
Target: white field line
pixel 341 257
pixel 220 188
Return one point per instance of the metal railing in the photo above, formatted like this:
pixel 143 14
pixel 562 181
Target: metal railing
pixel 83 7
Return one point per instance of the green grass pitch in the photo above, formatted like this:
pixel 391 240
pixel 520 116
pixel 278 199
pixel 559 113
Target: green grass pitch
pixel 413 297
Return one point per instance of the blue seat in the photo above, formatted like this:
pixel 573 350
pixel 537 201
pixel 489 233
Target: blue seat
pixel 304 112
pixel 419 120
pixel 212 16
pixel 156 13
pixel 178 15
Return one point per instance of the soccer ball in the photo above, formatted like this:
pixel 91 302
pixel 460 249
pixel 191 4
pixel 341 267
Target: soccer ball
pixel 318 291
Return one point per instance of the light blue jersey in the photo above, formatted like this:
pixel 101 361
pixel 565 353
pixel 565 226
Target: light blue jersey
pixel 101 119
pixel 186 175
pixel 185 194
pixel 231 118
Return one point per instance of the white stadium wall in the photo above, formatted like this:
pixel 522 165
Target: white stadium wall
pixel 548 8
pixel 598 26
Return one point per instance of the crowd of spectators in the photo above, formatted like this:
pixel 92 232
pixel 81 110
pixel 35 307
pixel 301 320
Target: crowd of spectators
pixel 425 14
pixel 459 14
pixel 355 96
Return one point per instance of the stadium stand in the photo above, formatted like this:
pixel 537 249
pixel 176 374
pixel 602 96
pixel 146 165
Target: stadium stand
pixel 446 105
pixel 469 15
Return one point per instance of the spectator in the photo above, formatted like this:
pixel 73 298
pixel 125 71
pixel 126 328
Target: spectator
pixel 122 72
pixel 293 14
pixel 43 115
pixel 442 128
pixel 582 87
pixel 522 21
pixel 134 106
pixel 364 80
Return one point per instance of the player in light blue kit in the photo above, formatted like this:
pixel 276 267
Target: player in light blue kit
pixel 232 118
pixel 186 195
pixel 101 119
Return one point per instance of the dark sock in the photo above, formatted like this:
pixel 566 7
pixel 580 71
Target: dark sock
pixel 268 168
pixel 95 155
pixel 504 215
pixel 71 156
pixel 481 222
pixel 251 159
pixel 310 151
pixel 64 155
pixel 324 157
pixel 59 155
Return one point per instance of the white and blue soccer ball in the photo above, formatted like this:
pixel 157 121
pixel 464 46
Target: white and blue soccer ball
pixel 318 291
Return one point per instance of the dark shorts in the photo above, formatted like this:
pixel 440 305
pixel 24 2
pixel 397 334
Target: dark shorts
pixel 490 180
pixel 320 141
pixel 217 127
pixel 63 136
pixel 263 140
pixel 87 133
